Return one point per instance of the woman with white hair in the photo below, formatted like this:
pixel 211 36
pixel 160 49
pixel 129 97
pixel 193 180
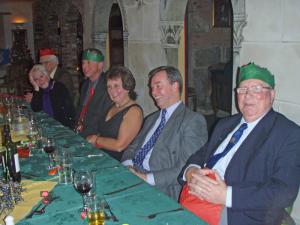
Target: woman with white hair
pixel 50 96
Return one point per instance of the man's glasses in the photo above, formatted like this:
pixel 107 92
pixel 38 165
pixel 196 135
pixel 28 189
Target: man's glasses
pixel 257 89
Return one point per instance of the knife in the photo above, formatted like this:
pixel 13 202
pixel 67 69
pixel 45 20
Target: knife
pixel 124 189
pixel 88 156
pixel 33 211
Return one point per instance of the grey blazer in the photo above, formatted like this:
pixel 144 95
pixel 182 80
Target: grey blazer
pixel 184 133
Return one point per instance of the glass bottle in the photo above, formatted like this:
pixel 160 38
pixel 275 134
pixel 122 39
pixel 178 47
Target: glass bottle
pixel 19 125
pixel 10 158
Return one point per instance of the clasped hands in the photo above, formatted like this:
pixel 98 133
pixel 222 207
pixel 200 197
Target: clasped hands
pixel 204 187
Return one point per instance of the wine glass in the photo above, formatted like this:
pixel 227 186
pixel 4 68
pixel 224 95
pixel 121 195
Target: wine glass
pixel 83 183
pixel 49 148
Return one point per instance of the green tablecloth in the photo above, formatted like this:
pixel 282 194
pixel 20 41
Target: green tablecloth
pixel 130 206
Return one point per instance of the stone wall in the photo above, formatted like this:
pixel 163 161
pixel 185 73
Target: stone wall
pixel 58 25
pixel 272 40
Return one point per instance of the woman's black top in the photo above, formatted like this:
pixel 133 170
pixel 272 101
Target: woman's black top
pixel 111 128
pixel 61 102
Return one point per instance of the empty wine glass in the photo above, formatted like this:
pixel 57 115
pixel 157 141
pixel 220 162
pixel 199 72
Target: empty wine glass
pixel 33 134
pixel 83 183
pixel 49 148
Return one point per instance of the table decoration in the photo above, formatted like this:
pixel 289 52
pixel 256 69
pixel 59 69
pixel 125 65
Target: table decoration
pixel 31 197
pixel 10 195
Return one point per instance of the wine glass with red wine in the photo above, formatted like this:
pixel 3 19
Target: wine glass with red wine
pixel 83 183
pixel 49 148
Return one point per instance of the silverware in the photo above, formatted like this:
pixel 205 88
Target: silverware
pixel 153 215
pixel 112 215
pixel 42 210
pixel 88 156
pixel 33 211
pixel 39 210
pixel 108 167
pixel 124 189
pixel 29 176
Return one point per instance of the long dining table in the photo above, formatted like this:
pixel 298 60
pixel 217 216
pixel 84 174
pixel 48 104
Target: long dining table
pixel 130 199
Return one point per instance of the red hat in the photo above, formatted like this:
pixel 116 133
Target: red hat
pixel 46 52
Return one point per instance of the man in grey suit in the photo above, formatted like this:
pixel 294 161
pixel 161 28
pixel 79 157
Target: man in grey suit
pixel 168 137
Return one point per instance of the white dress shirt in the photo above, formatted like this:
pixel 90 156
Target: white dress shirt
pixel 150 177
pixel 222 164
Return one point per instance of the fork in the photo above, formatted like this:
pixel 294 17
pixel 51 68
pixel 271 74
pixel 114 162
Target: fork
pixel 42 210
pixel 39 211
pixel 112 215
pixel 33 211
pixel 153 215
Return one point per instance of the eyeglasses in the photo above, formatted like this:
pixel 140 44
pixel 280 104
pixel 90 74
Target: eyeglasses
pixel 257 89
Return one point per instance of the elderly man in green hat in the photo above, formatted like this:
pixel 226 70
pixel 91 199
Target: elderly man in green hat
pixel 94 100
pixel 254 157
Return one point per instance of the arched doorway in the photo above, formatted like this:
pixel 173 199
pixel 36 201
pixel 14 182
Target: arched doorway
pixel 116 44
pixel 209 30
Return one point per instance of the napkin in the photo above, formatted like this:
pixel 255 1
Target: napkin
pixel 31 197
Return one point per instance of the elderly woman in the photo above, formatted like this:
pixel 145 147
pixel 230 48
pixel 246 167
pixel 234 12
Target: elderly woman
pixel 50 96
pixel 124 118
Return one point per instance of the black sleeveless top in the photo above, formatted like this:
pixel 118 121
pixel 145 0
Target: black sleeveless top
pixel 111 127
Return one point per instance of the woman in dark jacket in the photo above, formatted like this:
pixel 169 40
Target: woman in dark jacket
pixel 50 96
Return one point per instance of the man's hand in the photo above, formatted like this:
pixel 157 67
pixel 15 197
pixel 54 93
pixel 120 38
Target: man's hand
pixel 92 139
pixel 189 173
pixel 204 187
pixel 137 173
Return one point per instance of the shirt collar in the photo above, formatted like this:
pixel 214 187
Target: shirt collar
pixel 253 123
pixel 171 109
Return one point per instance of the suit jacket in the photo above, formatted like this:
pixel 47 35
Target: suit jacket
pixel 183 134
pixel 97 109
pixel 63 108
pixel 264 172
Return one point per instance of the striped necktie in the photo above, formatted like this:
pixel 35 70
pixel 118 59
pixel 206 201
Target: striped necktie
pixel 233 140
pixel 143 151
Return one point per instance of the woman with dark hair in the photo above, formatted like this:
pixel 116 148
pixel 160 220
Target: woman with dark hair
pixel 50 96
pixel 125 117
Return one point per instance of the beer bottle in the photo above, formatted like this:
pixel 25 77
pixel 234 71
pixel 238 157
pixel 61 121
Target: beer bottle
pixel 10 158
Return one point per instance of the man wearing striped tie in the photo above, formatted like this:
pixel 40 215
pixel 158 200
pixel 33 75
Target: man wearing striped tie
pixel 168 137
pixel 249 171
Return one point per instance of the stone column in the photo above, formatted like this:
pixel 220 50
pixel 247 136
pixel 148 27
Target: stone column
pixel 170 39
pixel 125 42
pixel 239 22
pixel 99 41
